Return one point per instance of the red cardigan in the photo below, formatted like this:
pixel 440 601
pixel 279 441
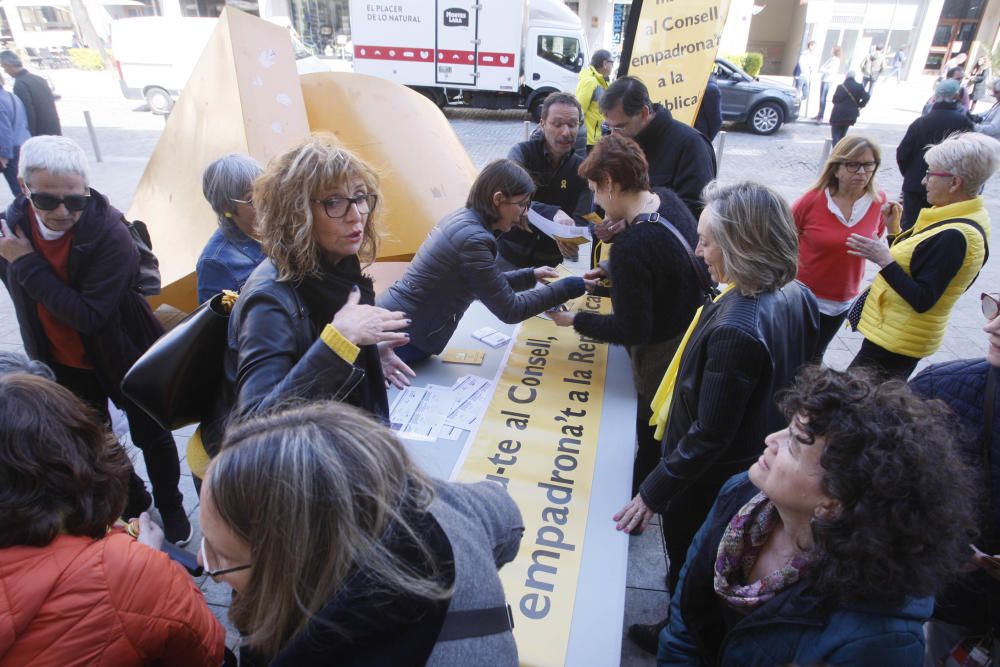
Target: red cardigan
pixel 824 265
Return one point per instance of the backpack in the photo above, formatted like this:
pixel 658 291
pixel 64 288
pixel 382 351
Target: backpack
pixel 147 279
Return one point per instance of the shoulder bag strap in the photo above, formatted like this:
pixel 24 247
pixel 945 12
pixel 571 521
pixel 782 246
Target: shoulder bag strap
pixel 853 99
pixel 700 270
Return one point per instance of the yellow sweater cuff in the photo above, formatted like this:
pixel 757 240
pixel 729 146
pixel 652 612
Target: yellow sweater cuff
pixel 335 340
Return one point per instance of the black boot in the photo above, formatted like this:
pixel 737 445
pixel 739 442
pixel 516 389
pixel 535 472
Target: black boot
pixel 647 637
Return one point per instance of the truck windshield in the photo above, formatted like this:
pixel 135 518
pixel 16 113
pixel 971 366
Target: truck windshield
pixel 563 51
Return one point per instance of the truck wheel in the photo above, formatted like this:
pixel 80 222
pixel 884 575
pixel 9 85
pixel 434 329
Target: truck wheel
pixel 535 110
pixel 159 101
pixel 766 118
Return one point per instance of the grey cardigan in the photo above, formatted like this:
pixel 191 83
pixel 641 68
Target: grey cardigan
pixel 456 265
pixel 484 526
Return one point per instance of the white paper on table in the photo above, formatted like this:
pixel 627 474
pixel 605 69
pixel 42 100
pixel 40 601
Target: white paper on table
pixel 419 413
pixel 557 231
pixel 470 411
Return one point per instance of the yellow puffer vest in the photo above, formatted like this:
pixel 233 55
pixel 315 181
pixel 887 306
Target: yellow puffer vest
pixel 590 80
pixel 888 320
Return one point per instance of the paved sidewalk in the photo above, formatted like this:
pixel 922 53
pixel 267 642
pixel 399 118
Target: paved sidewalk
pixel 788 161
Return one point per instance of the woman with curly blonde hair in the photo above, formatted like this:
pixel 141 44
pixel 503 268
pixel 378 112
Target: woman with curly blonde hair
pixel 305 325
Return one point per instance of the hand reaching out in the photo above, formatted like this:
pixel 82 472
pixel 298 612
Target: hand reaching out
pixel 546 274
pixel 394 369
pixel 367 325
pixel 873 249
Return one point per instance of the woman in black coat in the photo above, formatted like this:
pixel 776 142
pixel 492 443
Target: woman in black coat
pixel 305 325
pixel 656 284
pixel 848 100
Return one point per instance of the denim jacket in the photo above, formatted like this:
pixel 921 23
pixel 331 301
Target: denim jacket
pixel 228 259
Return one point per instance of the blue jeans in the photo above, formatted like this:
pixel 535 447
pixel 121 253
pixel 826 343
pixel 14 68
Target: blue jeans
pixel 10 173
pixel 824 91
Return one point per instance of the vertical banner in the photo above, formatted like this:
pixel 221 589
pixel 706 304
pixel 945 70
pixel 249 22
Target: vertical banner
pixel 538 438
pixel 673 51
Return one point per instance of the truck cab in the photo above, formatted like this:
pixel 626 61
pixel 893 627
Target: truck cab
pixel 555 50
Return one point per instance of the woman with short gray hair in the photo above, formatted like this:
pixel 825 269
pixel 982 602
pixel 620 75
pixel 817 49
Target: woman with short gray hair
pixel 716 401
pixel 903 315
pixel 233 252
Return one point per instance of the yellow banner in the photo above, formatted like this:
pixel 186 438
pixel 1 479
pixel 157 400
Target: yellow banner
pixel 539 439
pixel 673 51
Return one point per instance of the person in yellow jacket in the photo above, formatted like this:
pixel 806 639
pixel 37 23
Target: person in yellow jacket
pixel 904 313
pixel 593 83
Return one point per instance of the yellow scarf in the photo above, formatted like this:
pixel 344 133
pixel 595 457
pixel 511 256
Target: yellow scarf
pixel 665 393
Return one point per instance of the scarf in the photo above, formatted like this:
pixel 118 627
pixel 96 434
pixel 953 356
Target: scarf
pixel 324 295
pixel 739 549
pixel 665 394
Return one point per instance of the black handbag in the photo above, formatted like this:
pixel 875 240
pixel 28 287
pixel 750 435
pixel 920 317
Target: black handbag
pixel 177 380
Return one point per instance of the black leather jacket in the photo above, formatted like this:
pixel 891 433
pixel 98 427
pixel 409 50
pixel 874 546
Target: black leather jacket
pixel 743 351
pixel 274 354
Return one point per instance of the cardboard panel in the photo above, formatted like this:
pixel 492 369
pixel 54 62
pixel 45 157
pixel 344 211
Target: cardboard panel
pixel 243 96
pixel 424 170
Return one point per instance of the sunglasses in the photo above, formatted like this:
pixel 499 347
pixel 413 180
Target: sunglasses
pixel 46 202
pixel 990 303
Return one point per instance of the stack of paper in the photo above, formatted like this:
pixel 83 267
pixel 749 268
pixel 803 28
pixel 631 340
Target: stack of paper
pixel 434 411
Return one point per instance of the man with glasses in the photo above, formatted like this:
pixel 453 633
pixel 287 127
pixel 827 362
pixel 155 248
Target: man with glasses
pixel 944 118
pixel 69 265
pixel 679 157
pixel 560 192
pixel 969 606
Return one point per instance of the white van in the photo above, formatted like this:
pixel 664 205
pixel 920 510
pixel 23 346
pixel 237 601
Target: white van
pixel 155 55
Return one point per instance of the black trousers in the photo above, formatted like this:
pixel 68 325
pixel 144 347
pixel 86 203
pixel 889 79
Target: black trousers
pixel 890 365
pixel 913 202
pixel 649 450
pixel 157 444
pixel 829 325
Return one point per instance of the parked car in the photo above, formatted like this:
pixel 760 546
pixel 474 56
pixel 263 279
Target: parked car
pixel 760 103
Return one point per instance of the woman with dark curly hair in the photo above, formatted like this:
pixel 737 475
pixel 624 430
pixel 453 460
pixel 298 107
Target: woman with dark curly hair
pixel 830 549
pixel 75 591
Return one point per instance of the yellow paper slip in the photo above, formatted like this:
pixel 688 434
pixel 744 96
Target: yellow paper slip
pixel 538 438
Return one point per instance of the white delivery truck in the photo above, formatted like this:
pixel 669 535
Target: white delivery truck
pixel 494 54
pixel 155 55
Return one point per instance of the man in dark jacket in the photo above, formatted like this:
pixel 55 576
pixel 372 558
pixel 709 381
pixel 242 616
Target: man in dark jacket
pixel 709 118
pixel 680 157
pixel 943 119
pixel 560 192
pixel 34 91
pixel 970 606
pixel 69 264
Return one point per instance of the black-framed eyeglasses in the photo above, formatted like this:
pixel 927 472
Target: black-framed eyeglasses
pixel 245 202
pixel 207 569
pixel 43 201
pixel 990 303
pixel 337 207
pixel 523 205
pixel 855 167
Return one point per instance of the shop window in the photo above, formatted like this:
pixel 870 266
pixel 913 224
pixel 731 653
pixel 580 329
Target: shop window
pixel 45 18
pixel 563 51
pixel 962 9
pixel 942 35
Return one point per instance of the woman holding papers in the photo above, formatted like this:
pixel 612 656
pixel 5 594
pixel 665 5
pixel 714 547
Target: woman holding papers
pixel 457 265
pixel 655 278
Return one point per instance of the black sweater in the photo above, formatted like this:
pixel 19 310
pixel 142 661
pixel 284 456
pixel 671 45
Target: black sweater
pixel 679 157
pixel 654 288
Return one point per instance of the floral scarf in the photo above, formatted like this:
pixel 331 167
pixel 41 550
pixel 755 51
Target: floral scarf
pixel 739 549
